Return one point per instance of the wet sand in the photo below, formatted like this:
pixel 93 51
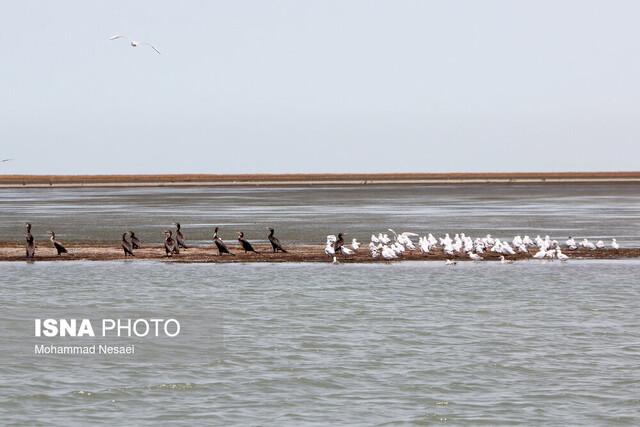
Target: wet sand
pixel 39 181
pixel 296 253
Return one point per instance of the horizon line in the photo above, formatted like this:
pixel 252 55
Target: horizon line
pixel 291 179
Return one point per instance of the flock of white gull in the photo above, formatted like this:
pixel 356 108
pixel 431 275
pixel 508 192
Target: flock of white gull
pixel 390 248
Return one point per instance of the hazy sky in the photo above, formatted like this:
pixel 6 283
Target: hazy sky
pixel 319 86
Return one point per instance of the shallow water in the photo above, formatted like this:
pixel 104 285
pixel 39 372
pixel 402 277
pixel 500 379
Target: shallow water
pixel 537 343
pixel 307 214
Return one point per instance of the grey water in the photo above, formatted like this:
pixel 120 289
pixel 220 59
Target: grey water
pixel 415 343
pixel 308 214
pixel 531 343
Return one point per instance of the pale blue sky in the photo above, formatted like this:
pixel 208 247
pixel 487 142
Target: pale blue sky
pixel 319 86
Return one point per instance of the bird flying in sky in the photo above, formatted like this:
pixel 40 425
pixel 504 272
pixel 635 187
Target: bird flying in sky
pixel 134 43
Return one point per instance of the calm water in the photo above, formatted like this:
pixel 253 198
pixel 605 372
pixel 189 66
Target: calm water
pixel 415 343
pixel 535 343
pixel 305 214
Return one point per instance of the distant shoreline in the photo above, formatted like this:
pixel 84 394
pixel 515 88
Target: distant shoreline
pixel 297 179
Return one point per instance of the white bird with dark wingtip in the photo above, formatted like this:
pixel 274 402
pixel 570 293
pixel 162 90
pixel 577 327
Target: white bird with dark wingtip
pixel 374 250
pixel 507 249
pixel 474 257
pixel 560 255
pixel 503 260
pixel 425 247
pixel 489 241
pixel 404 238
pixel 398 248
pixel 587 244
pixel 134 43
pixel 388 253
pixel 540 254
pixel 468 245
pixel 448 250
pixel 446 240
pixel 329 250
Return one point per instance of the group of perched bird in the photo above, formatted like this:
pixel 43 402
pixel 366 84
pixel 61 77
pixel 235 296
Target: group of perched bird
pixel 172 246
pixel 393 247
pixel 381 245
pixel 31 243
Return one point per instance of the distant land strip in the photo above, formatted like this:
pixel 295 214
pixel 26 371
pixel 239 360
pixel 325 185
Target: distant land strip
pixel 295 179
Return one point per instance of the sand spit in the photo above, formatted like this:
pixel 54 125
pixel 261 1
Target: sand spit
pixel 185 180
pixel 297 253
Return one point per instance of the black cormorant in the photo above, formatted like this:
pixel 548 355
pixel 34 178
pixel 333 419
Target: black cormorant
pixel 126 246
pixel 170 247
pixel 275 243
pixel 61 249
pixel 179 237
pixel 222 248
pixel 30 246
pixel 338 244
pixel 245 243
pixel 135 242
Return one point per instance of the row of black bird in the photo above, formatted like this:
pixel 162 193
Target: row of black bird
pixel 172 246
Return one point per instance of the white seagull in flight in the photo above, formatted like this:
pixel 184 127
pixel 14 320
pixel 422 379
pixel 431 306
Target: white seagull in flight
pixel 134 43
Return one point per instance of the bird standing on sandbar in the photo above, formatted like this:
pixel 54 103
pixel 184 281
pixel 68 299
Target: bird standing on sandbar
pixel 275 243
pixel 126 246
pixel 170 247
pixel 135 242
pixel 180 237
pixel 338 244
pixel 245 243
pixel 30 246
pixel 222 247
pixel 56 244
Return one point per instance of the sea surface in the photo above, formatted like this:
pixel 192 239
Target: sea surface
pixel 414 343
pixel 308 214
